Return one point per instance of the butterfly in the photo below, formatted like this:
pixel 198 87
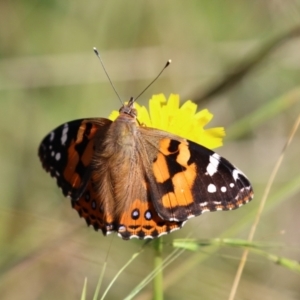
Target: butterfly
pixel 138 181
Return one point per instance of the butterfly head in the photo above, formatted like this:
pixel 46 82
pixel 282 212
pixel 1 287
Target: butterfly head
pixel 128 108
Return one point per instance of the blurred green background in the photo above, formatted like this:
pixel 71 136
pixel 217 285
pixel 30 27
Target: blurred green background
pixel 50 75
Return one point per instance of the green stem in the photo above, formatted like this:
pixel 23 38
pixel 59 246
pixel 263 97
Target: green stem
pixel 158 279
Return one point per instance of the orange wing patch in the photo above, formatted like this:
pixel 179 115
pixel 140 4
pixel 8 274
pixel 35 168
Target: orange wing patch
pixel 182 183
pixel 78 158
pixel 139 221
pixel 176 177
pixel 142 221
pixel 160 169
pixel 70 174
pixel 74 159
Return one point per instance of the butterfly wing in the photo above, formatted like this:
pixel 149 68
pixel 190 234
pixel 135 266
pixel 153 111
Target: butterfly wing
pixel 67 151
pixel 140 191
pixel 187 179
pixel 142 221
pixel 91 209
pixel 139 220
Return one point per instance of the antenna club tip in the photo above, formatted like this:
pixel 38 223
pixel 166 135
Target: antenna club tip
pixel 168 63
pixel 95 50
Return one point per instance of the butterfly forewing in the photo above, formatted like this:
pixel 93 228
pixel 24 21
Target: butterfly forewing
pixel 189 179
pixel 67 151
pixel 219 185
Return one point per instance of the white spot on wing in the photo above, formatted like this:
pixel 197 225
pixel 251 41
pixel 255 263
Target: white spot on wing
pixel 223 189
pixel 148 215
pixel 131 237
pixel 148 237
pixel 212 167
pixel 236 173
pixel 51 136
pixel 172 230
pixel 57 156
pixel 231 185
pixel 217 202
pixel 211 188
pixel 122 228
pixel 190 217
pixel 64 135
pixel 135 214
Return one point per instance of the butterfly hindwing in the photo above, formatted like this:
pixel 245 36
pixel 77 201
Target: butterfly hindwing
pixel 139 220
pixel 67 151
pixel 142 221
pixel 89 208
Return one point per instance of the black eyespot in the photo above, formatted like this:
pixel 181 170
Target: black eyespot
pixel 135 214
pixel 148 215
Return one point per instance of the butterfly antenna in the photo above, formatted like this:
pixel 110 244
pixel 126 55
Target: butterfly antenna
pixel 98 55
pixel 166 65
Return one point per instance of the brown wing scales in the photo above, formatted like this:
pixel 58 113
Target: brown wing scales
pixel 139 221
pixel 91 209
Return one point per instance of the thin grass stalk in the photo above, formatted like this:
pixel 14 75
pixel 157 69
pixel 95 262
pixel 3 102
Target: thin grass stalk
pixel 260 210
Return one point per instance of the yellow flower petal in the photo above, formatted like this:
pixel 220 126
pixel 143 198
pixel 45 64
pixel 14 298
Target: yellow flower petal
pixel 114 114
pixel 183 121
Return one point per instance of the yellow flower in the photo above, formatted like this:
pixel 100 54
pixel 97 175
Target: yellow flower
pixel 183 121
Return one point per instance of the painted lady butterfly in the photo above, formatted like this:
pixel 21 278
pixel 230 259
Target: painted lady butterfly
pixel 140 182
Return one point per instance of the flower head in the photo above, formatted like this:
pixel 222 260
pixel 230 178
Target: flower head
pixel 183 121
